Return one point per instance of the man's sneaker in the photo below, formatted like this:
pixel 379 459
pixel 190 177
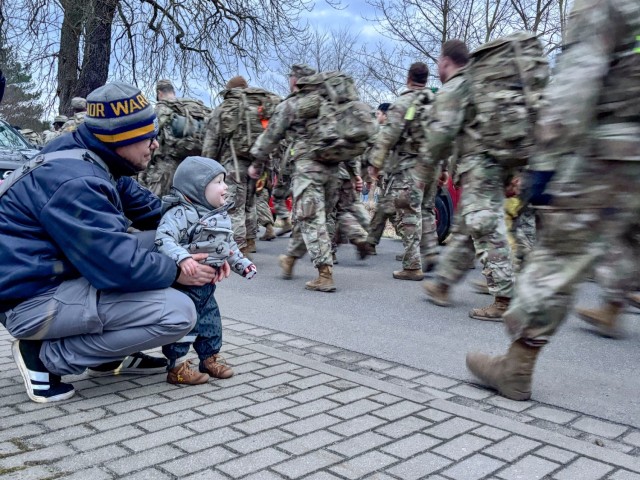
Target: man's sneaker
pixel 216 367
pixel 186 374
pixel 41 385
pixel 135 364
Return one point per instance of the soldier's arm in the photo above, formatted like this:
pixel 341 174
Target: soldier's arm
pixel 275 131
pixel 572 97
pixel 388 135
pixel 210 143
pixel 447 118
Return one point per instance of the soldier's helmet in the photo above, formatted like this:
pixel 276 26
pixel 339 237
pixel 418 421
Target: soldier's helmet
pixel 164 85
pixel 78 104
pixel 61 119
pixel 299 70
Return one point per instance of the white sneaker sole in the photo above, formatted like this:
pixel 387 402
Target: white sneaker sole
pixel 24 371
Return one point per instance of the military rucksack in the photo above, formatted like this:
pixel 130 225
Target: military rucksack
pixel 507 78
pixel 182 123
pixel 338 124
pixel 244 115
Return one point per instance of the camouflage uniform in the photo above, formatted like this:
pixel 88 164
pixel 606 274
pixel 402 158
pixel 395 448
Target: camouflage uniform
pixel 49 135
pixel 282 189
pixel 73 123
pixel 409 189
pixel 314 185
pixel 349 219
pixel 158 176
pixel 32 136
pixel 589 134
pixel 480 217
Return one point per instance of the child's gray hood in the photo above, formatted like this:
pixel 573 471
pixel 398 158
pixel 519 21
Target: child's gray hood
pixel 192 177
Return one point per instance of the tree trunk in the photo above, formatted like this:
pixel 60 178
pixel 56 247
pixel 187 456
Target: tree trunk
pixel 69 51
pixel 97 47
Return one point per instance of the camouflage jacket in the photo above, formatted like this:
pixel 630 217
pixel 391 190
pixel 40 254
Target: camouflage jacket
pixel 49 135
pixel 396 148
pixel 594 100
pixel 73 123
pixel 452 111
pixel 285 124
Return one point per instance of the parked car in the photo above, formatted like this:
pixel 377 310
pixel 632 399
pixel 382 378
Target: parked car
pixel 14 149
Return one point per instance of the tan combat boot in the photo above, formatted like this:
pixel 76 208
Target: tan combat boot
pixel 363 248
pixel 493 312
pixel 245 251
pixel 437 293
pixel 605 319
pixel 634 299
pixel 269 233
pixel 429 263
pixel 324 282
pixel 509 374
pixel 480 286
pixel 251 245
pixel 286 228
pixel 286 263
pixel 186 374
pixel 404 274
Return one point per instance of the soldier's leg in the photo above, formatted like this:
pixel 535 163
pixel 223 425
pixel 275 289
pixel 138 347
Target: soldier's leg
pixel 265 216
pixel 158 176
pixel 349 226
pixel 237 193
pixel 408 199
pixel 525 236
pixel 429 239
pixel 384 211
pixel 280 194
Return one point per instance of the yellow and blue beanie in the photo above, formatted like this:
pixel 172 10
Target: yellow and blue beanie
pixel 118 114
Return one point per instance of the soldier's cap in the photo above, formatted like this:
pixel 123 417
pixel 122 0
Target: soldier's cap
pixel 164 85
pixel 237 82
pixel 79 103
pixel 299 70
pixel 118 114
pixel 60 119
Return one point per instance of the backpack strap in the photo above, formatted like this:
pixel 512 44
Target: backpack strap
pixel 39 160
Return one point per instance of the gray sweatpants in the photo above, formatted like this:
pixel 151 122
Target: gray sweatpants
pixel 82 327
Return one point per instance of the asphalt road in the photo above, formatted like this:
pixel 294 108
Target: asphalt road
pixel 374 314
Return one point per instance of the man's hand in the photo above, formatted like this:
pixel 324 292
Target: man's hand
pixel 188 266
pixel 373 172
pixel 203 273
pixel 254 172
pixel 358 184
pixel 444 179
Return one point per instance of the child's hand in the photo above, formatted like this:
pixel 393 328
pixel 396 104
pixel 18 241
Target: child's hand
pixel 189 266
pixel 250 272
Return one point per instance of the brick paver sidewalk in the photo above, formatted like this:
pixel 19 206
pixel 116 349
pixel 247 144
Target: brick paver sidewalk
pixel 294 411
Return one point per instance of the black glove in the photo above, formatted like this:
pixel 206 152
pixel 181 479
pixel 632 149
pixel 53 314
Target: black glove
pixel 534 186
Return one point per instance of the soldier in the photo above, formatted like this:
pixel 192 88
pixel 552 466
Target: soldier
pixel 313 186
pixel 282 189
pixel 402 135
pixel 33 137
pixel 264 187
pixel 589 134
pixel 225 139
pixel 79 107
pixel 181 123
pixel 58 122
pixel 480 217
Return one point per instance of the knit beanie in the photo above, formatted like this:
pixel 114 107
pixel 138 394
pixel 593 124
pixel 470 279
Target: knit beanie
pixel 237 82
pixel 118 114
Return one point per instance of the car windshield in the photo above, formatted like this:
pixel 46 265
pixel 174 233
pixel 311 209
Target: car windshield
pixel 10 139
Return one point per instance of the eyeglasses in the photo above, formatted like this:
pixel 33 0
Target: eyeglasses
pixel 151 140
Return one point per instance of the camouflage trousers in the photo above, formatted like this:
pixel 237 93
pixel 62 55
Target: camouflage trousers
pixel 242 193
pixel 596 203
pixel 479 229
pixel 263 211
pixel 524 235
pixel 349 219
pixel 419 232
pixel 281 192
pixel 158 176
pixel 314 195
pixel 615 268
pixel 385 210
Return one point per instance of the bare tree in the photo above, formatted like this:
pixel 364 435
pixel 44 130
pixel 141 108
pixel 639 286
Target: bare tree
pixel 78 44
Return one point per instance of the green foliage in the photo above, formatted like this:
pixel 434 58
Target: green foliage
pixel 21 105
